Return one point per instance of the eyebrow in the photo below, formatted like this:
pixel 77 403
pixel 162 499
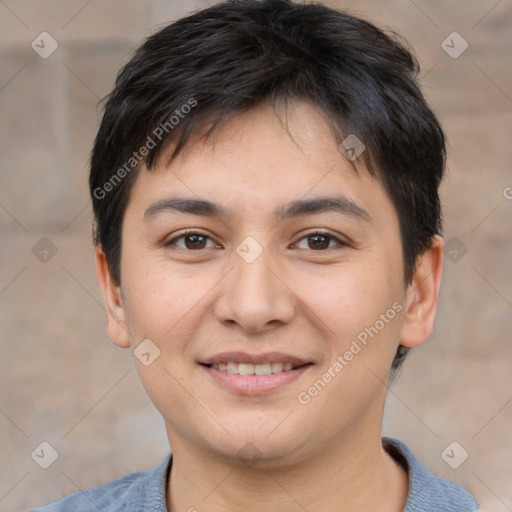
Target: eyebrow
pixel 338 204
pixel 299 208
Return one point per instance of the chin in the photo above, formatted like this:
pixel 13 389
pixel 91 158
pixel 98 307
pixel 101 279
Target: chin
pixel 269 444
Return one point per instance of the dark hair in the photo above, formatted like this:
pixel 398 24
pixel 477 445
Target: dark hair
pixel 229 58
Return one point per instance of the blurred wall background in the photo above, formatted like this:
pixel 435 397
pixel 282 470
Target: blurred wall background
pixel 64 383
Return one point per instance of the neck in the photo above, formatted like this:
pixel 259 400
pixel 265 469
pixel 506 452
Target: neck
pixel 350 477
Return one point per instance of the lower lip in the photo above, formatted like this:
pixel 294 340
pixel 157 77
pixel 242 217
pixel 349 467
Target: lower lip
pixel 255 384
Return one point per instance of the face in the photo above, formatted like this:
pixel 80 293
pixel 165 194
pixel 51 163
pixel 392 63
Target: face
pixel 267 275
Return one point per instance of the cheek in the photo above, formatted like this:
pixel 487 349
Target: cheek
pixel 163 305
pixel 347 298
pixel 164 300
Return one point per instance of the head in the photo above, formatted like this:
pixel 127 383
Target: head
pixel 302 128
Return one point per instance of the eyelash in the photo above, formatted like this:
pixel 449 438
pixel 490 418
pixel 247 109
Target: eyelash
pixel 330 236
pixel 190 232
pixel 184 234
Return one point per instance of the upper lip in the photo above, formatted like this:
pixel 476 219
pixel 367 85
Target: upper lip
pixel 244 357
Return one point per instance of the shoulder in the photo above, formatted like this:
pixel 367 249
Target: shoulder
pixel 132 492
pixel 427 491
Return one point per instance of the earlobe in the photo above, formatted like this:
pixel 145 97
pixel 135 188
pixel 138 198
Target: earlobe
pixel 116 324
pixel 423 295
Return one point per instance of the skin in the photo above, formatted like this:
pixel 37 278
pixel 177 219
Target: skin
pixel 294 298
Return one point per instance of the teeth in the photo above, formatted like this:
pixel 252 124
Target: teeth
pixel 263 369
pixel 253 369
pixel 246 369
pixel 277 367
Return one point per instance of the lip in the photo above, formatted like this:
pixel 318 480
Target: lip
pixel 244 357
pixel 254 384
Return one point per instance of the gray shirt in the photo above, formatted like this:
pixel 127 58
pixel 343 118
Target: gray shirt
pixel 146 491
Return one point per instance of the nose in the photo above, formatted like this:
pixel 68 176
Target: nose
pixel 254 296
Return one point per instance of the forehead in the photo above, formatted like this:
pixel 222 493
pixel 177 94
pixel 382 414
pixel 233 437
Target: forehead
pixel 259 162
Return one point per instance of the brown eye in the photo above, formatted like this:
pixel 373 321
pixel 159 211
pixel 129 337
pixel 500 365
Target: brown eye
pixel 195 241
pixel 319 242
pixel 191 241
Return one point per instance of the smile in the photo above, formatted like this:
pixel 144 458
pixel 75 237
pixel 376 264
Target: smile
pixel 254 369
pixel 248 379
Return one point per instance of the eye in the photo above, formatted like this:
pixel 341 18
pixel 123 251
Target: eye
pixel 319 240
pixel 192 240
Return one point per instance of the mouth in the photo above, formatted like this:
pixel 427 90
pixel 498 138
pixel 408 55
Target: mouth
pixel 255 369
pixel 245 374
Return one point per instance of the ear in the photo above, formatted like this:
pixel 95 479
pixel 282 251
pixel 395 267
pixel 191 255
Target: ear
pixel 116 324
pixel 422 296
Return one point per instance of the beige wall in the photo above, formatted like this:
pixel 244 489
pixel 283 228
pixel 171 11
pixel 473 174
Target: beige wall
pixel 63 382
